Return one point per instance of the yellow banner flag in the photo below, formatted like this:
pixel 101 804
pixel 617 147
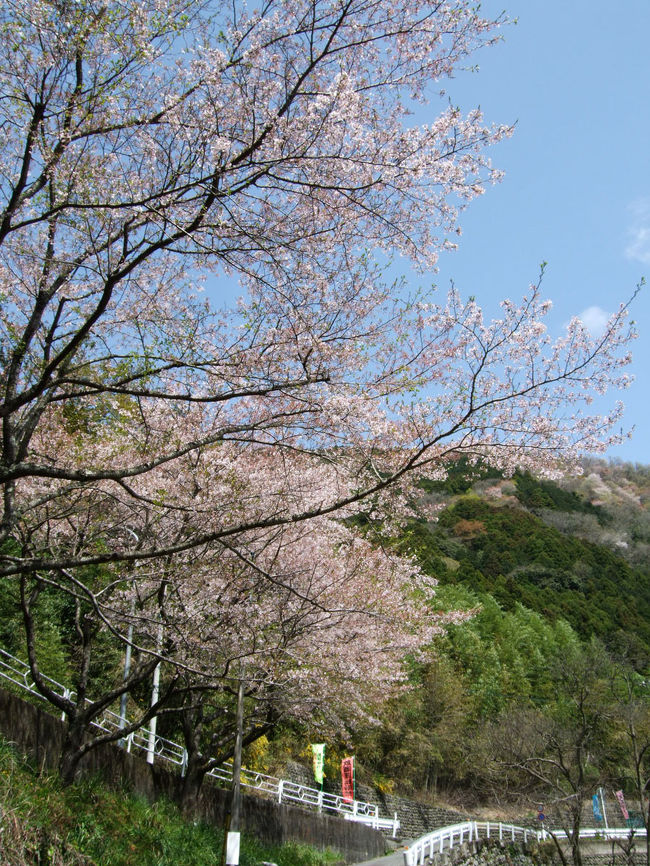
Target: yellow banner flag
pixel 318 750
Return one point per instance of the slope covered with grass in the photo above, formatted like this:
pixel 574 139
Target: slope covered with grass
pixel 89 824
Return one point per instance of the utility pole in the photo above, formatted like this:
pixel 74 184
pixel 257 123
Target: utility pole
pixel 602 802
pixel 127 670
pixel 155 690
pixel 233 838
pixel 155 694
pixel 129 645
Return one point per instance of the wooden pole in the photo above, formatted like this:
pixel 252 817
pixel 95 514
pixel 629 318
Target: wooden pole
pixel 232 844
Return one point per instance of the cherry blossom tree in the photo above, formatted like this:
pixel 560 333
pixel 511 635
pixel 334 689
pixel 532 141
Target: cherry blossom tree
pixel 147 144
pixel 317 627
pixel 149 150
pixel 314 618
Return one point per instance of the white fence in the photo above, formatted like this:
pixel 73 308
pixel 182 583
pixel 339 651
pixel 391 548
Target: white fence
pixel 446 838
pixel 18 672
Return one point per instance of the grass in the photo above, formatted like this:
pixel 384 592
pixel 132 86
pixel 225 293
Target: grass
pixel 90 824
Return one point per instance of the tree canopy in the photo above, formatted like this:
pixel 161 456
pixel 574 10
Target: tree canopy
pixel 161 451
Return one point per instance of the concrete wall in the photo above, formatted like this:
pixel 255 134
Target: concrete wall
pixel 40 735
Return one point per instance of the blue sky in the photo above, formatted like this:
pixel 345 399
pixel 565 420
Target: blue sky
pixel 575 77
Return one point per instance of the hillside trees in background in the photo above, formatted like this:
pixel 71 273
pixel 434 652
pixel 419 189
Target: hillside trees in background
pixel 502 659
pixel 605 505
pixel 148 147
pixel 421 745
pixel 498 548
pixel 631 710
pixel 557 755
pixel 431 740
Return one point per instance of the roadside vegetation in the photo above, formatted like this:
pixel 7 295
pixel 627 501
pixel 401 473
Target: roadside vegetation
pixel 89 824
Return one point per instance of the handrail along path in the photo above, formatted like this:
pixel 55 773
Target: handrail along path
pixel 18 672
pixel 447 838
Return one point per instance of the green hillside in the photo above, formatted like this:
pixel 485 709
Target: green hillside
pixel 517 558
pixel 546 568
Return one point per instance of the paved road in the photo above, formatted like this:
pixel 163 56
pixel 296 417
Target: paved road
pixel 394 859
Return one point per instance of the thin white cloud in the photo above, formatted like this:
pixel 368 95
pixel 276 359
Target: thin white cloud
pixel 594 319
pixel 638 246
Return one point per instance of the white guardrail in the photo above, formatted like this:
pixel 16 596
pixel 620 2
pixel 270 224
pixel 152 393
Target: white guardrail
pixel 18 672
pixel 446 838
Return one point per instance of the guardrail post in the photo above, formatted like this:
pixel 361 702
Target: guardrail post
pixel 280 787
pixel 320 801
pixel 500 832
pixel 184 763
pixel 67 694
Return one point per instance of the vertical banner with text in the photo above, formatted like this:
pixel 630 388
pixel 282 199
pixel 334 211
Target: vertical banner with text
pixel 347 779
pixel 621 803
pixel 318 750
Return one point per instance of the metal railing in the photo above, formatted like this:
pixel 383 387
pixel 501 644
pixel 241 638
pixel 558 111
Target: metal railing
pixel 18 672
pixel 603 834
pixel 446 838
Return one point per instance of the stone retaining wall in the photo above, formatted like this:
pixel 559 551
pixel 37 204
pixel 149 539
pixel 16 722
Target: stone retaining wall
pixel 492 853
pixel 416 819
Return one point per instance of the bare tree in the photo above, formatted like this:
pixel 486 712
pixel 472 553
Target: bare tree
pixel 632 716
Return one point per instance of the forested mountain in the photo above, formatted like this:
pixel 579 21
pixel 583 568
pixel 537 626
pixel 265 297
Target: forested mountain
pixel 557 578
pixel 576 549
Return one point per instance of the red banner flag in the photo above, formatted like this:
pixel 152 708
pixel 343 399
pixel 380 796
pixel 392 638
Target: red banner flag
pixel 621 803
pixel 347 779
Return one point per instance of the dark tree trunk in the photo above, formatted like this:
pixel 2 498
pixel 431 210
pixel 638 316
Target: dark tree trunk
pixel 72 751
pixel 197 766
pixel 576 851
pixel 192 783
